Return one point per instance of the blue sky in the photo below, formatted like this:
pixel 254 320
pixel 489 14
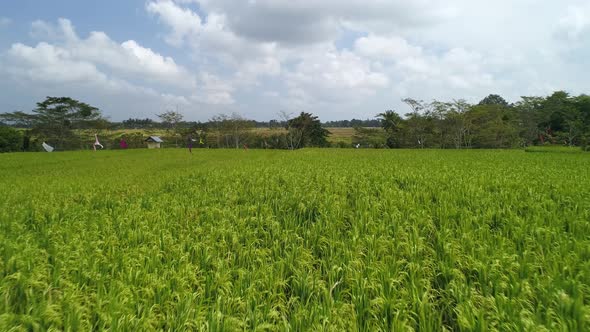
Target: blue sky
pixel 119 19
pixel 338 59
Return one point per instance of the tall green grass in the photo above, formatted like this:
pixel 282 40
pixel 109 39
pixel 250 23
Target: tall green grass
pixel 331 240
pixel 555 149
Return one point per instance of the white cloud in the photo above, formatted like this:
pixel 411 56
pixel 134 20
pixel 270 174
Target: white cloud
pixel 63 31
pixel 575 23
pixel 51 65
pixel 457 72
pixel 316 73
pixel 212 41
pixel 103 66
pixel 128 59
pixel 313 71
pixel 184 22
pixel 332 57
pixel 308 21
pixel 416 48
pixel 47 63
pixel 238 62
pixel 418 71
pixel 157 65
pixel 332 76
pixel 215 91
pixel 386 48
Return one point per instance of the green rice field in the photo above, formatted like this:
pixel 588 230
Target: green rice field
pixel 309 240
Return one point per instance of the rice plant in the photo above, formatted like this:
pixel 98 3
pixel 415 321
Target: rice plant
pixel 311 240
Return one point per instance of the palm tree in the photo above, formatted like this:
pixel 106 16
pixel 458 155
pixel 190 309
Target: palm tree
pixel 391 123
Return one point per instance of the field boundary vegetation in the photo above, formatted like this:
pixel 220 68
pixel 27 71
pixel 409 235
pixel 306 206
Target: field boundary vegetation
pixel 493 123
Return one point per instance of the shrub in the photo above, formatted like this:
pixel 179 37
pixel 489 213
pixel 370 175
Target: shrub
pixel 342 145
pixel 10 139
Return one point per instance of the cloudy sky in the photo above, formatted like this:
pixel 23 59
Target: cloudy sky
pixel 338 59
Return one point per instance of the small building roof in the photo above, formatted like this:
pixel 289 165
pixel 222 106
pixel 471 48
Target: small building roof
pixel 156 139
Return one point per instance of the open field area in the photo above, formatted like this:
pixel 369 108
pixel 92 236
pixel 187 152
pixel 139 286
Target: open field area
pixel 336 134
pixel 338 240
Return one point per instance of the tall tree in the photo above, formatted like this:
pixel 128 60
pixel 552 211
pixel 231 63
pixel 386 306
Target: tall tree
pixel 369 137
pixel 458 124
pixel 529 115
pixel 564 118
pixel 171 120
pixel 55 118
pixel 306 130
pixel 441 131
pixel 217 124
pixel 239 128
pixel 18 119
pixel 138 123
pixel 231 130
pixel 582 103
pixel 492 126
pixel 417 123
pixel 391 122
pixel 494 100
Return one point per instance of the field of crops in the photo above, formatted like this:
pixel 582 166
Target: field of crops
pixel 308 240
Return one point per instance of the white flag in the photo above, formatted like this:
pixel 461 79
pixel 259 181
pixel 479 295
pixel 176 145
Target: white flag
pixel 97 143
pixel 47 147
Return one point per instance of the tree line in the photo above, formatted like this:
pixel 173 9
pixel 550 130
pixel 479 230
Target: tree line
pixel 558 119
pixel 147 123
pixel 65 123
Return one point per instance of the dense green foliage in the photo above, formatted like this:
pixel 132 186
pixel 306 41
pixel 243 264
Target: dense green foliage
pixel 54 120
pixel 559 119
pixel 308 240
pixel 11 139
pixel 368 123
pixel 305 130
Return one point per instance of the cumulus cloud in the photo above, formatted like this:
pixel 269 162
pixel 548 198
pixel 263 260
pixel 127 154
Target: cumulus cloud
pixel 334 76
pixel 332 57
pixel 270 38
pixel 574 24
pixel 183 22
pixel 56 66
pixel 212 41
pixel 427 73
pixel 308 21
pixel 101 65
pixel 215 91
pixel 62 31
pixel 401 48
pixel 48 63
pixel 386 48
pixel 128 58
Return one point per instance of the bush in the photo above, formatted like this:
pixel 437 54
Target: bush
pixel 272 141
pixel 135 140
pixel 342 145
pixel 552 149
pixel 10 139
